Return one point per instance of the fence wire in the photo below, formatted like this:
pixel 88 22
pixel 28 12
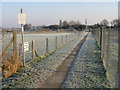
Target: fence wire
pixel 55 41
pixel 107 39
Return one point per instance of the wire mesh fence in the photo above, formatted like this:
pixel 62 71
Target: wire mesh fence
pixel 10 60
pixel 41 44
pixel 107 39
pixel 35 46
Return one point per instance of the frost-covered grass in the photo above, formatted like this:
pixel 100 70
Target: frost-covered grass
pixel 40 42
pixel 34 74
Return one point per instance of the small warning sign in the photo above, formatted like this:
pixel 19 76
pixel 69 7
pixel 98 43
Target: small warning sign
pixel 21 18
pixel 26 46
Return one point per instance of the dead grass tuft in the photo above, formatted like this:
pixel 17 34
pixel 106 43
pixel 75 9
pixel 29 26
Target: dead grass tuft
pixel 10 65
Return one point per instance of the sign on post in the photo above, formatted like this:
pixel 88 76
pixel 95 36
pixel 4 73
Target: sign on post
pixel 21 18
pixel 26 46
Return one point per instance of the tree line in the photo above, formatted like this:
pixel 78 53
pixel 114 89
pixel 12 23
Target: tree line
pixel 75 25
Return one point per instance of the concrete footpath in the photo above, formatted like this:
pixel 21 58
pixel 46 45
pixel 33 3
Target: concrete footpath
pixel 87 70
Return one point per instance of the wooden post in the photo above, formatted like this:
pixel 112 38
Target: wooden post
pixel 73 36
pixel 66 38
pixel 69 37
pixel 61 40
pixel 33 48
pixel 20 50
pixel 56 42
pixel 15 42
pixel 46 45
pixel 78 33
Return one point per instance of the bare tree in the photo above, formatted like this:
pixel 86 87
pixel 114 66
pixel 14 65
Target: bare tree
pixel 74 23
pixel 104 22
pixel 78 22
pixel 65 23
pixel 27 26
pixel 115 22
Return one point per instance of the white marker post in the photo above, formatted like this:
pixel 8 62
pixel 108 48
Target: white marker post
pixel 21 20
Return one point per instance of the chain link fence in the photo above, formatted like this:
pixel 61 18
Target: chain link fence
pixel 107 39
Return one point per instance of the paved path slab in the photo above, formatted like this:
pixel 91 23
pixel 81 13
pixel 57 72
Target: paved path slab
pixel 87 71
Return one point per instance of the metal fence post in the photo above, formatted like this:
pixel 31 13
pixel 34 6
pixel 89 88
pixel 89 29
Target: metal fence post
pixel 108 48
pixel 101 38
pixel 105 48
pixel 104 39
pixel 97 36
pixel 102 48
pixel 46 45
